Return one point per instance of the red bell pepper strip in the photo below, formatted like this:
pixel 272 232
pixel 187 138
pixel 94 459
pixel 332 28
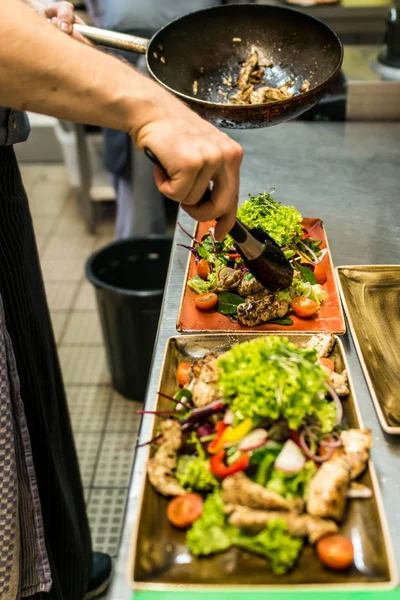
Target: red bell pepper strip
pixel 233 256
pixel 221 470
pixel 218 441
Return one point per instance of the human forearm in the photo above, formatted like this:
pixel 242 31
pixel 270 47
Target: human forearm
pixel 45 71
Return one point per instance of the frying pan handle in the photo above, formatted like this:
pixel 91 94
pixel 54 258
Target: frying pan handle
pixel 154 159
pixel 112 39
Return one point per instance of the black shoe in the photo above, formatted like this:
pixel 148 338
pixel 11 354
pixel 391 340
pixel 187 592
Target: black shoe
pixel 100 576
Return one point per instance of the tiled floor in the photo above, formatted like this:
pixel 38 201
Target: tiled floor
pixel 104 423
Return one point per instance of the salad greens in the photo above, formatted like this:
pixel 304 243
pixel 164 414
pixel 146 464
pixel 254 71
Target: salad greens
pixel 273 542
pixel 292 485
pixel 193 473
pixel 228 303
pixel 211 534
pixel 282 223
pixel 270 377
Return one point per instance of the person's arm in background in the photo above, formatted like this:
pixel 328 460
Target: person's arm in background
pixel 45 71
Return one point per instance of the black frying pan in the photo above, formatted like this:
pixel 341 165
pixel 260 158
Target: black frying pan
pixel 200 47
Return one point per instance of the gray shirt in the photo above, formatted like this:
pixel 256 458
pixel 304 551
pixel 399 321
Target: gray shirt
pixel 14 126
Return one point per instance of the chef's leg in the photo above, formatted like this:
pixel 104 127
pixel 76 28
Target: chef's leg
pixel 66 528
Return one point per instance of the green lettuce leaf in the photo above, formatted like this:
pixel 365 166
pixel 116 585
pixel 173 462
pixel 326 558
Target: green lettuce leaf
pixel 193 473
pixel 270 377
pixel 275 544
pixel 201 286
pixel 282 223
pixel 210 533
pixel 292 485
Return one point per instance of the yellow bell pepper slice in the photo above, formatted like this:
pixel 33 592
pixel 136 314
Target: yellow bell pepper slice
pixel 231 435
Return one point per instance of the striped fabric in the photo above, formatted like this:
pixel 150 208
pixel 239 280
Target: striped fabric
pixel 24 564
pixel 65 526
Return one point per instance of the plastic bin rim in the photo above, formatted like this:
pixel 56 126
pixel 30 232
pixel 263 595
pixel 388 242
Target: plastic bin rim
pixel 90 276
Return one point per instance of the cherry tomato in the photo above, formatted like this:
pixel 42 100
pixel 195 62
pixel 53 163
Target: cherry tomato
pixel 203 268
pixel 327 362
pixel 182 373
pixel 320 273
pixel 184 510
pixel 335 552
pixel 206 301
pixel 304 307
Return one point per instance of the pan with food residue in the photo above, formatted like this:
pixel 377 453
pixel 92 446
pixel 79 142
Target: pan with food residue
pixel 199 57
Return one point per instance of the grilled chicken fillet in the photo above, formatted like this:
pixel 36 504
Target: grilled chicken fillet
pixel 328 489
pixel 160 467
pixel 298 525
pixel 323 343
pixel 204 387
pixel 339 382
pixel 247 287
pixel 260 308
pixel 357 444
pixel 229 282
pixel 239 489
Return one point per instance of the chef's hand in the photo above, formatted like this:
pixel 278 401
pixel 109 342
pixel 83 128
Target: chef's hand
pixel 193 153
pixel 62 15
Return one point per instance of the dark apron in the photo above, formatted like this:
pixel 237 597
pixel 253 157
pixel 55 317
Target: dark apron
pixel 65 524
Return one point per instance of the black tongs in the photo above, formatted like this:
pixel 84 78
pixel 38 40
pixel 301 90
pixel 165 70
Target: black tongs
pixel 261 254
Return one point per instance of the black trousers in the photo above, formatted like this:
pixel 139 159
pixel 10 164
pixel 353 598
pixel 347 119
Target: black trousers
pixel 28 321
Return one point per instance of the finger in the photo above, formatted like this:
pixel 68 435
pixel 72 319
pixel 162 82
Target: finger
pixel 178 185
pixel 64 11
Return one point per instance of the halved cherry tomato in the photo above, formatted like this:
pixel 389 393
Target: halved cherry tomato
pixel 327 362
pixel 203 268
pixel 320 273
pixel 304 307
pixel 184 510
pixel 335 552
pixel 182 373
pixel 206 301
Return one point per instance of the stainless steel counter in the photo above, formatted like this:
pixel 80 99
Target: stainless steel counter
pixel 348 175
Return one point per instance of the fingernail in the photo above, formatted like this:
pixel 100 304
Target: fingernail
pixel 65 27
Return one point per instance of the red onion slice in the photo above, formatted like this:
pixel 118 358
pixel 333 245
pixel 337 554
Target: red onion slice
pixel 338 404
pixel 310 454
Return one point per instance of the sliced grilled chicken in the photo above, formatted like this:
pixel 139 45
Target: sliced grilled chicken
pixel 357 444
pixel 260 308
pixel 339 382
pixel 239 489
pixel 323 343
pixel 229 282
pixel 160 467
pixel 298 525
pixel 204 388
pixel 247 287
pixel 163 480
pixel 328 489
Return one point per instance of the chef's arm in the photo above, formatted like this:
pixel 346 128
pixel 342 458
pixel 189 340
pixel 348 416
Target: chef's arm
pixel 43 70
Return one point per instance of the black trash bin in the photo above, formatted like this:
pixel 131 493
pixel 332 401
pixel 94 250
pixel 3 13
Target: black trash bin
pixel 129 277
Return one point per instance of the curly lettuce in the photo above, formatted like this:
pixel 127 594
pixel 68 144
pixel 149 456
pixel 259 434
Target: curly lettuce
pixel 282 223
pixel 193 473
pixel 270 377
pixel 211 534
pixel 292 485
pixel 273 542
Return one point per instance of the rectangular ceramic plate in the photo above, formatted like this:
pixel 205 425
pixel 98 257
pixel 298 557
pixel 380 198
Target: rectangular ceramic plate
pixel 160 559
pixel 371 298
pixel 329 318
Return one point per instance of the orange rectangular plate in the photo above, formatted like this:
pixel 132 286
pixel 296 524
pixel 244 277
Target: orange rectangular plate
pixel 328 319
